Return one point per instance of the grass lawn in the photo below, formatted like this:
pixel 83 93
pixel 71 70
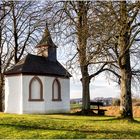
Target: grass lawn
pixel 66 126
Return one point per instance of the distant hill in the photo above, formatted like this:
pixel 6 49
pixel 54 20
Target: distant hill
pixel 106 101
pixel 77 100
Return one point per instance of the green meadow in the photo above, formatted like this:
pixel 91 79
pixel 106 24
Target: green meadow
pixel 67 127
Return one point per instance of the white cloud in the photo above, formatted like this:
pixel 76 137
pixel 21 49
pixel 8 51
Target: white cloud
pixel 98 88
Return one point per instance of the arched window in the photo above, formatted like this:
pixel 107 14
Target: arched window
pixel 56 90
pixel 35 89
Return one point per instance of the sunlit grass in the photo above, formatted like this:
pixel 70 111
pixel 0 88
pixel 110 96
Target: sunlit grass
pixel 66 126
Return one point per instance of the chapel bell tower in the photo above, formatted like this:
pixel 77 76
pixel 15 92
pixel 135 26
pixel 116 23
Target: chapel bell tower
pixel 46 46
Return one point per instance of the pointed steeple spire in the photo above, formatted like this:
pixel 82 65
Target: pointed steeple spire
pixel 46 40
pixel 46 47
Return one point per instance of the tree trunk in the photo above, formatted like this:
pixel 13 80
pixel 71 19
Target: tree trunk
pixel 1 101
pixel 126 99
pixel 124 64
pixel 15 34
pixel 1 92
pixel 82 29
pixel 85 90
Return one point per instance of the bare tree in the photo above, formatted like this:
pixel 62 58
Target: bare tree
pixel 75 22
pixel 21 25
pixel 26 21
pixel 121 46
pixel 4 56
pixel 127 21
pixel 104 34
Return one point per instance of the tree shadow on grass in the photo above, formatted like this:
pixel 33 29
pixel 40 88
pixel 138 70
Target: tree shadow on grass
pixel 67 117
pixel 117 119
pixel 97 118
pixel 101 133
pixel 77 115
pixel 112 118
pixel 136 121
pixel 53 135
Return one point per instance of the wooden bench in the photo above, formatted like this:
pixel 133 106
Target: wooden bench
pixel 98 104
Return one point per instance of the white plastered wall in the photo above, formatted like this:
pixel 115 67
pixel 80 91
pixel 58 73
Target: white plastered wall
pixel 46 106
pixel 13 94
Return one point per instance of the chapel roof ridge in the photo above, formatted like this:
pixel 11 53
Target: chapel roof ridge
pixel 38 65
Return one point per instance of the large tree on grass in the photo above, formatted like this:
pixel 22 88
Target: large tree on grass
pixel 77 25
pixel 121 47
pixel 103 33
pixel 128 31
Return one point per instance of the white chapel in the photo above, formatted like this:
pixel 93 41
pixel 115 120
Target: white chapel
pixel 38 84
